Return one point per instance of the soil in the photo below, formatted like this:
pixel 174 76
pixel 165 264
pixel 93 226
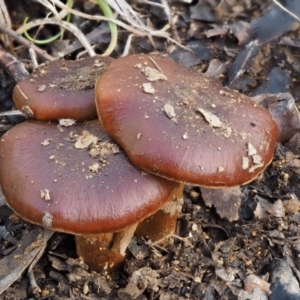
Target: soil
pixel 223 237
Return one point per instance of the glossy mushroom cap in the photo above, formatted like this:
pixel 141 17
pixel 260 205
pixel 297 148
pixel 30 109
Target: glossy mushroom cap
pixel 61 89
pixel 76 179
pixel 177 123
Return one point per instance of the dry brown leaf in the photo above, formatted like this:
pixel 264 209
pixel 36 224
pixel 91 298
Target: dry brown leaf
pixel 227 201
pixel 264 207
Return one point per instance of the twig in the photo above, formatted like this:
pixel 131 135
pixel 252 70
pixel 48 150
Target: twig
pixel 13 67
pixel 126 11
pixel 33 58
pixel 37 22
pixel 127 45
pixel 5 18
pixel 152 3
pixel 12 113
pixel 50 6
pixel 170 18
pixel 154 245
pixel 72 28
pixel 35 287
pixel 156 65
pixel 286 10
pixel 43 54
pixel 217 227
pixel 5 13
pixel 137 29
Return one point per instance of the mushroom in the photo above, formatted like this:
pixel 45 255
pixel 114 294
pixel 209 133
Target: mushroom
pixel 176 123
pixel 61 89
pixel 77 180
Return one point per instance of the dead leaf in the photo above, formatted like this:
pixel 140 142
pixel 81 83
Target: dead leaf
pixel 264 207
pixel 284 112
pixel 252 281
pixel 140 280
pixel 294 143
pixel 12 266
pixel 292 205
pixel 227 201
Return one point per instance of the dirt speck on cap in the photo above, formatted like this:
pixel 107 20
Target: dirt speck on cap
pixel 45 194
pixel 95 167
pixel 85 140
pixel 41 88
pixel 251 149
pixel 148 88
pixel 46 142
pixel 27 111
pixel 153 74
pixel 47 220
pixel 66 122
pixel 169 110
pixel 245 163
pixel 212 119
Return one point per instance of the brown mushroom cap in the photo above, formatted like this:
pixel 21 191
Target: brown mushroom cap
pixel 76 179
pixel 61 89
pixel 176 123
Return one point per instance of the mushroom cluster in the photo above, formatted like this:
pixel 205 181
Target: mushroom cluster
pixel 175 125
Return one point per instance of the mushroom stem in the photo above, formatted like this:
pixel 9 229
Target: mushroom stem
pixel 105 251
pixel 162 223
pixel 122 239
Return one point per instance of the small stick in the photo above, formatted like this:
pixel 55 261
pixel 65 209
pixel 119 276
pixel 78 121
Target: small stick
pixel 170 18
pixel 156 65
pixel 286 10
pixel 43 54
pixel 35 287
pixel 14 68
pixel 33 59
pixel 127 45
pixel 12 113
